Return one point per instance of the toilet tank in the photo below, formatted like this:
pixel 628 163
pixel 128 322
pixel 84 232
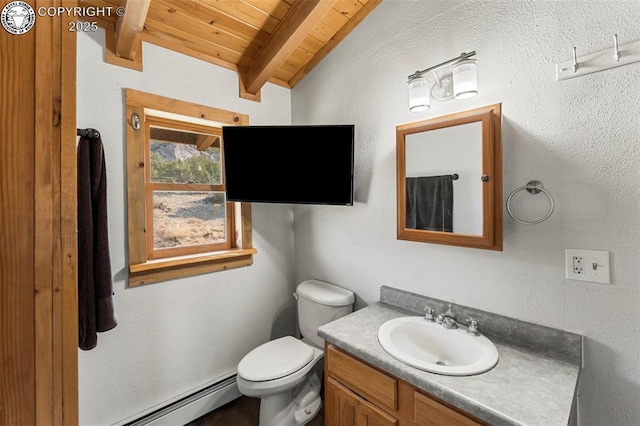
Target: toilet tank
pixel 320 303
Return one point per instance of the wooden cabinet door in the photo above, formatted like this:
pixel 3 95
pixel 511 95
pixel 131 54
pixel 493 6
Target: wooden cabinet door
pixel 344 408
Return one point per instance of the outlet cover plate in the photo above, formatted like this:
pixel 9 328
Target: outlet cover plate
pixel 588 265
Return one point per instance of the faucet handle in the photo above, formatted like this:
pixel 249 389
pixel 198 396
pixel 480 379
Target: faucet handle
pixel 430 313
pixel 473 326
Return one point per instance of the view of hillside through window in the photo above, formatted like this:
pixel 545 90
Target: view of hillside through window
pixel 184 168
pixel 183 163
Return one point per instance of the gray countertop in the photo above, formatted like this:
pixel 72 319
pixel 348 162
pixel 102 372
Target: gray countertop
pixel 526 387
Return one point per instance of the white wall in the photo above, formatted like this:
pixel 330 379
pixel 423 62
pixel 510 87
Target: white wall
pixel 579 137
pixel 176 336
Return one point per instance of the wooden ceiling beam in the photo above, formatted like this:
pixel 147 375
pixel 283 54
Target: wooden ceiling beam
pixel 129 27
pixel 301 18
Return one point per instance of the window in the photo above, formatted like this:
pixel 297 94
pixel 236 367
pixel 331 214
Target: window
pixel 179 221
pixel 186 209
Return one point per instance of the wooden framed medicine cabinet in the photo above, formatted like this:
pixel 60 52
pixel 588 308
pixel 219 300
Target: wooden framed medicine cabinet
pixel 449 179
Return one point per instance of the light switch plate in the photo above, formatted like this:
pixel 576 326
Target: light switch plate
pixel 588 265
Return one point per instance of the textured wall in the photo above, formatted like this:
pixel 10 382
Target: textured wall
pixel 176 336
pixel 580 137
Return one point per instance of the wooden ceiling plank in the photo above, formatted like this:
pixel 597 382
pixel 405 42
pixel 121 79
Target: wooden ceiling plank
pixel 322 32
pixel 311 45
pixel 244 12
pixel 334 19
pixel 276 8
pixel 301 18
pixel 214 17
pixel 298 58
pixel 289 68
pixel 129 27
pixel 170 43
pixel 304 53
pixel 190 25
pixel 283 75
pixel 179 37
pixel 348 8
pixel 340 35
pixel 295 62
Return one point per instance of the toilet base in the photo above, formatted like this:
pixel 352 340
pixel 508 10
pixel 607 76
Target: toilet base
pixel 279 410
pixel 294 408
pixel 305 415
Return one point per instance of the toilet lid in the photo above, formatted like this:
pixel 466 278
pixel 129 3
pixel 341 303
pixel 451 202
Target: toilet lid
pixel 275 359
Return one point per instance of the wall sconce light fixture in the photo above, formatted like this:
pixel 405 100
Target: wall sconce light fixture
pixel 455 78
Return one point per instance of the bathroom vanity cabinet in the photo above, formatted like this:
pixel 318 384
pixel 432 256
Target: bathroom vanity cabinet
pixel 533 383
pixel 357 393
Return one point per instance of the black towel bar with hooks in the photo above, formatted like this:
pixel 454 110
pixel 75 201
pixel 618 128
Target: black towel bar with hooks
pixel 88 133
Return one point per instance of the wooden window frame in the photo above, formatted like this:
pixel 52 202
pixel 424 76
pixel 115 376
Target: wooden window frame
pixel 144 266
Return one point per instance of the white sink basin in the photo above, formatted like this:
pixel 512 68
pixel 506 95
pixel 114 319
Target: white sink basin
pixel 430 347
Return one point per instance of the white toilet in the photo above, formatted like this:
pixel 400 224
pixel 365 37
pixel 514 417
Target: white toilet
pixel 286 373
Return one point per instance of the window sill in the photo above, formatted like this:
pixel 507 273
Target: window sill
pixel 169 268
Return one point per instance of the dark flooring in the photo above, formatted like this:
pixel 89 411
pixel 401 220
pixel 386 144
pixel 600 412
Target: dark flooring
pixel 243 411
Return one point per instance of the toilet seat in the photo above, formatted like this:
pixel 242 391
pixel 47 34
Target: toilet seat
pixel 275 359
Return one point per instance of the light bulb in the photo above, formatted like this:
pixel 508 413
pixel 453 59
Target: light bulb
pixel 465 79
pixel 418 94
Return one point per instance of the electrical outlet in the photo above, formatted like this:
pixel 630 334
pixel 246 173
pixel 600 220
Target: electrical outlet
pixel 577 265
pixel 588 265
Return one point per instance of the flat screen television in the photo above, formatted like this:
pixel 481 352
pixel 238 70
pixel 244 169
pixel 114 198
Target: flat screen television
pixel 298 164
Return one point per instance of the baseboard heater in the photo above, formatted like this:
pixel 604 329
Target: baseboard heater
pixel 191 407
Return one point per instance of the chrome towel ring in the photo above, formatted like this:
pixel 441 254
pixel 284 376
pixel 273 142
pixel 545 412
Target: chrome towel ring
pixel 532 187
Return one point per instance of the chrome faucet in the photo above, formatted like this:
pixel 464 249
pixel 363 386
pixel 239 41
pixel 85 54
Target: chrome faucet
pixel 448 319
pixel 450 313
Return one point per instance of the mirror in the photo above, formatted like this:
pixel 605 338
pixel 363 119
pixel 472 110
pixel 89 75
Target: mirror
pixel 449 179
